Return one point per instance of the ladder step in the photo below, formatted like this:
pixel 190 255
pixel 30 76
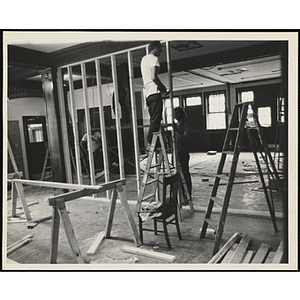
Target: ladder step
pixel 234 128
pixel 152 181
pixel 228 152
pixel 217 200
pixel 157 165
pixel 148 197
pixel 211 223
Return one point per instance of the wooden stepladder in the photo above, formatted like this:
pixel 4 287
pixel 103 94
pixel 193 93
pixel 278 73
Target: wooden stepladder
pixel 238 127
pixel 158 165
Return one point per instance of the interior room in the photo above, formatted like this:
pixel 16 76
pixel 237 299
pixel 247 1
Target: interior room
pixel 66 205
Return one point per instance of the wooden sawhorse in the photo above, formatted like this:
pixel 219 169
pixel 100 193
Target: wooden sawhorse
pixel 59 210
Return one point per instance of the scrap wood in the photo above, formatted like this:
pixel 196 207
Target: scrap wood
pixel 28 204
pixel 240 250
pixel 218 256
pixel 248 257
pixel 96 244
pixel 279 253
pixel 229 254
pixel 260 254
pixel 147 253
pixel 33 223
pixel 15 246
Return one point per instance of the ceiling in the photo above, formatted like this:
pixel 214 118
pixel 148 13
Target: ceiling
pixel 194 63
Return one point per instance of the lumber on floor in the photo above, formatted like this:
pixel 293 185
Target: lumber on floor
pixel 240 250
pixel 279 253
pixel 151 254
pixel 229 254
pixel 96 244
pixel 218 256
pixel 15 246
pixel 260 254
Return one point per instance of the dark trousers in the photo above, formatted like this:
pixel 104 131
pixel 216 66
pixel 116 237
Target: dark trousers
pixel 154 103
pixel 184 158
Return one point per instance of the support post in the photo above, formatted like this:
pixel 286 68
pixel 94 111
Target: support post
pixel 75 126
pixel 134 121
pixel 20 190
pixel 88 123
pixel 54 235
pixel 102 122
pixel 111 213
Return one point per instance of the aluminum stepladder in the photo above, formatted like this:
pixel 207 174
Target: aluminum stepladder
pixel 238 126
pixel 160 166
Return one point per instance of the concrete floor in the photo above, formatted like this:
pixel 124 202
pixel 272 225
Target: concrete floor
pixel 248 214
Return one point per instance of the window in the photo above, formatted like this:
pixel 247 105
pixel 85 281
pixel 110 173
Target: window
pixel 264 116
pixel 35 132
pixel 167 109
pixel 216 117
pixel 192 101
pixel 248 96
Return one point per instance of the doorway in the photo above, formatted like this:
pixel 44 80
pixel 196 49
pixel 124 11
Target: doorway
pixel 35 133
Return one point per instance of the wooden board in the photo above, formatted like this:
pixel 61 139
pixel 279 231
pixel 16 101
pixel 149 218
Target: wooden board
pixel 240 250
pixel 229 254
pixel 224 249
pixel 96 244
pixel 248 256
pixel 270 257
pixel 147 253
pixel 260 254
pixel 12 248
pixel 279 253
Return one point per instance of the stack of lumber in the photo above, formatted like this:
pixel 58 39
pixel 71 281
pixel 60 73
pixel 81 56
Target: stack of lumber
pixel 237 251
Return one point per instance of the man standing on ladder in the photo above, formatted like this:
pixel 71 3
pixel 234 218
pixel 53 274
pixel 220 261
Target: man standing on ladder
pixel 153 88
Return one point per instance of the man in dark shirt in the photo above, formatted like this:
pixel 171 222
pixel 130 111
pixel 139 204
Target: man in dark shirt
pixel 182 135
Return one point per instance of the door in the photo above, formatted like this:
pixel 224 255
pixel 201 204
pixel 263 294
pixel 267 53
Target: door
pixel 16 146
pixel 195 116
pixel 36 142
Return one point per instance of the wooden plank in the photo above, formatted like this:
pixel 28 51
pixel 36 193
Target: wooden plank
pixel 147 253
pixel 99 101
pixel 225 248
pixel 88 123
pixel 70 233
pixel 279 253
pixel 12 158
pixel 19 244
pixel 71 196
pixel 111 213
pixel 248 256
pixel 20 190
pixel 132 225
pixel 54 235
pixel 14 200
pixel 69 186
pixel 261 254
pixel 29 204
pixel 134 121
pixel 33 223
pixel 96 244
pixel 270 257
pixel 229 254
pixel 73 113
pixel 117 112
pixel 240 251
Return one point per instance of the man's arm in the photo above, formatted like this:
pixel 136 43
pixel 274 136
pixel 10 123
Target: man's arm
pixel 154 77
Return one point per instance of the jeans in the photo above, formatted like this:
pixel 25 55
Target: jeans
pixel 154 103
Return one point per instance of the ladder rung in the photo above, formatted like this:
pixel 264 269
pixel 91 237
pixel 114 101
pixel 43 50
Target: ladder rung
pixel 151 181
pixel 217 200
pixel 157 165
pixel 211 223
pixel 228 152
pixel 148 197
pixel 234 128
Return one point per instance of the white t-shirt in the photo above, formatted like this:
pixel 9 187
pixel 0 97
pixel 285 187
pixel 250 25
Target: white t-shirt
pixel 149 61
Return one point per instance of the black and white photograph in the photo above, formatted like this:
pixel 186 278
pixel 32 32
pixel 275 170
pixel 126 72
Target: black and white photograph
pixel 152 150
